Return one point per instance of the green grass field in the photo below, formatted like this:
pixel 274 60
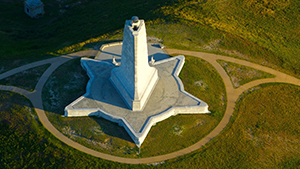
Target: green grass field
pixel 26 79
pixel 25 143
pixel 264 132
pixel 240 75
pixel 265 30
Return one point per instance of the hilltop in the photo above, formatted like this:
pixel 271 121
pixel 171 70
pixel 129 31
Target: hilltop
pixel 261 31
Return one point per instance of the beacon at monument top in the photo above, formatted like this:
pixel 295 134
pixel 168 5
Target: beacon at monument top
pixel 134 79
pixel 135 23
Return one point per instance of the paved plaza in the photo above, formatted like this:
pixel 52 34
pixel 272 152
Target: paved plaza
pixel 167 99
pixel 134 84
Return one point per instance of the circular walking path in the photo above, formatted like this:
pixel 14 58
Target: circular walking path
pixel 232 96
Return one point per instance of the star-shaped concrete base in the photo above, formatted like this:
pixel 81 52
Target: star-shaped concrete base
pixel 168 98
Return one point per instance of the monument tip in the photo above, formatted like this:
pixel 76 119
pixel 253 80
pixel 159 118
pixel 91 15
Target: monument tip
pixel 135 19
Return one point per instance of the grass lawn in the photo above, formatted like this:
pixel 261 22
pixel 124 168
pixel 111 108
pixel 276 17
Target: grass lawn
pixel 26 79
pixel 173 134
pixel 26 37
pixel 240 75
pixel 265 32
pixel 264 133
pixel 258 136
pixel 25 143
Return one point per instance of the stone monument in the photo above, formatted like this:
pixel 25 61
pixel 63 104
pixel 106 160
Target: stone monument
pixel 134 79
pixel 131 93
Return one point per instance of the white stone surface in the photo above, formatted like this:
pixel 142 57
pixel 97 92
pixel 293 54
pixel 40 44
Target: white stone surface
pixel 134 79
pixel 168 99
pixel 134 94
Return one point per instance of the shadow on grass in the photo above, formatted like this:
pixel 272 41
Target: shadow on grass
pixel 97 45
pixel 26 79
pixel 112 129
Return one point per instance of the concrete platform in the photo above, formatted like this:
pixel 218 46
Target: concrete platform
pixel 108 51
pixel 103 100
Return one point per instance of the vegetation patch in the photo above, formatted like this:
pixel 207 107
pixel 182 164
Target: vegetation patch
pixel 264 133
pixel 201 80
pixel 188 35
pixel 60 30
pixel 97 130
pixel 250 30
pixel 6 65
pixel 177 130
pixel 266 31
pixel 202 85
pixel 26 79
pixel 240 74
pixel 73 79
pixel 25 143
pixel 173 134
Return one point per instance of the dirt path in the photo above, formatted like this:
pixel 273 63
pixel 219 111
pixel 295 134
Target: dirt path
pixel 232 96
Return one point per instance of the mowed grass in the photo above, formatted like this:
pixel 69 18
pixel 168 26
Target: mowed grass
pixel 62 30
pixel 61 27
pixel 64 85
pixel 25 143
pixel 189 35
pixel 261 32
pixel 259 136
pixel 202 80
pixel 172 134
pixel 240 74
pixel 265 30
pixel 27 79
pixel 264 133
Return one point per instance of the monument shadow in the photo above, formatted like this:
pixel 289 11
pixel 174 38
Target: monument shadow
pixel 112 129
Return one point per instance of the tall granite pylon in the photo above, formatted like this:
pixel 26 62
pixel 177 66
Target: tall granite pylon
pixel 134 79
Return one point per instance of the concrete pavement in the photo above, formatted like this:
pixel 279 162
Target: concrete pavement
pixel 232 96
